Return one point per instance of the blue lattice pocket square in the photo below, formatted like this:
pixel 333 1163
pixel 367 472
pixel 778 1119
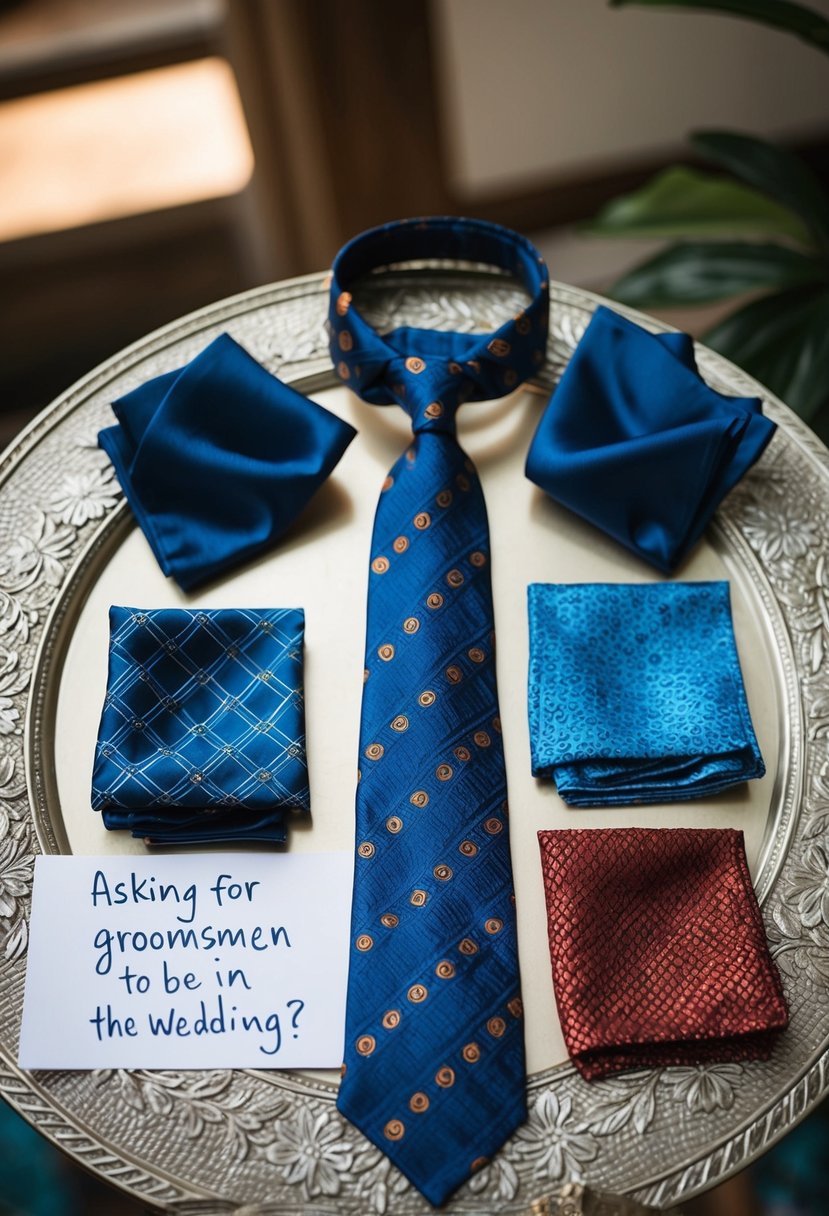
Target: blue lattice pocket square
pixel 636 693
pixel 202 733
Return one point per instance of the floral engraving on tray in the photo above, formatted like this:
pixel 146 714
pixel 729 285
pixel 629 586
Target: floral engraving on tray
pixel 41 552
pixel 194 1102
pixel 706 1088
pixel 85 496
pixel 556 1149
pixel 310 1150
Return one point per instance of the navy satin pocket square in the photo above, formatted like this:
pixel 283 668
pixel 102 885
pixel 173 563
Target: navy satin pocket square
pixel 636 693
pixel 218 458
pixel 634 440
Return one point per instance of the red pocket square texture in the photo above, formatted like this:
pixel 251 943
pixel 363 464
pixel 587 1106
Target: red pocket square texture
pixel 658 950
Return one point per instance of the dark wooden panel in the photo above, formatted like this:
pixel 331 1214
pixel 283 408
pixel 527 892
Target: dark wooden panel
pixel 48 44
pixel 375 82
pixel 340 103
pixel 70 299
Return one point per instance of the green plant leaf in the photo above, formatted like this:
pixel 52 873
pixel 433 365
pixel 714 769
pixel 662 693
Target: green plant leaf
pixel 783 341
pixel 685 202
pixel 772 170
pixel 698 272
pixel 795 19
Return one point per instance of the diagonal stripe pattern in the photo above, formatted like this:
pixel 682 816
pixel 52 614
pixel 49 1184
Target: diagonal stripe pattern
pixel 434 1052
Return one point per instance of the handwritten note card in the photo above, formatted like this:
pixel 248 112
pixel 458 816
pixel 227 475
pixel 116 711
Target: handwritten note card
pixel 204 961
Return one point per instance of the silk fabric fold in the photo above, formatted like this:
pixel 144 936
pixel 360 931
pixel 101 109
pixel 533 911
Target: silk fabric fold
pixel 635 441
pixel 218 458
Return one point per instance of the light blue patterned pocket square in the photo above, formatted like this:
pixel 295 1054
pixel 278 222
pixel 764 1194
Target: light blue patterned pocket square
pixel 202 734
pixel 636 694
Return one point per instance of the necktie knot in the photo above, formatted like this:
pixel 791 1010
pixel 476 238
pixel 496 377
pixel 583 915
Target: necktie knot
pixel 428 390
pixel 431 372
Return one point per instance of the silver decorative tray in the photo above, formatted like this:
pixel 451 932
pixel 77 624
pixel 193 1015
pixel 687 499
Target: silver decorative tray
pixel 205 1142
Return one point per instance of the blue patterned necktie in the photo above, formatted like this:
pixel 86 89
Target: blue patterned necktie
pixel 434 1054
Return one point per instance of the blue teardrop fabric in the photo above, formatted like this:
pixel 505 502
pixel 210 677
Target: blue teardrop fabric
pixel 202 733
pixel 218 458
pixel 636 693
pixel 637 443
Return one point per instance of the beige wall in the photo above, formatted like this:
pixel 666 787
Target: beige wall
pixel 531 89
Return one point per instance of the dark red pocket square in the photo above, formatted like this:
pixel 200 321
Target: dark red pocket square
pixel 658 949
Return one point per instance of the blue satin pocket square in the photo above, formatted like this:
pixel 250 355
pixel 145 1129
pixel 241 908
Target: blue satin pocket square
pixel 202 733
pixel 637 443
pixel 218 458
pixel 636 693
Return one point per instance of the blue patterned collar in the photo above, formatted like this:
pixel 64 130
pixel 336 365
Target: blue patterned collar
pixel 430 372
